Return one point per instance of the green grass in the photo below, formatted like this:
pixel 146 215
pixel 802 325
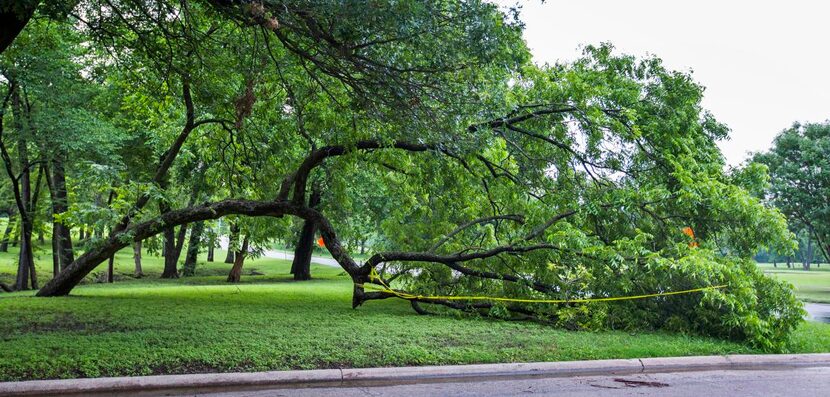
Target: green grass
pixel 810 286
pixel 202 324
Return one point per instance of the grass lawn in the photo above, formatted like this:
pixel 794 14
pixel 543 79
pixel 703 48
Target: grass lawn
pixel 810 286
pixel 267 322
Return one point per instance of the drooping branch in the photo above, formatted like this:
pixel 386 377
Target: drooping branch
pixel 299 179
pixel 63 283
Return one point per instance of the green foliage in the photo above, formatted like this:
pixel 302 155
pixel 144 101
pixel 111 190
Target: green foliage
pixel 799 168
pixel 586 171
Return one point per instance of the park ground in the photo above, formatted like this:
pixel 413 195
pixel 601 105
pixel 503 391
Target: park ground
pixel 268 322
pixel 810 286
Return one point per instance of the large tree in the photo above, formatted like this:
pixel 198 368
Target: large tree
pixel 799 170
pixel 493 177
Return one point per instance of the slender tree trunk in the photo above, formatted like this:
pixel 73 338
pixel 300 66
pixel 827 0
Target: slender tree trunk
pixel 137 259
pixel 234 235
pixel 111 270
pixel 26 265
pixel 211 248
pixel 56 180
pixel 180 236
pixel 239 259
pixel 193 249
pixel 81 235
pixel 56 260
pixel 4 244
pixel 808 255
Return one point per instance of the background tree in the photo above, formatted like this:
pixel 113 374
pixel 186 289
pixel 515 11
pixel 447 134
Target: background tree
pixel 799 170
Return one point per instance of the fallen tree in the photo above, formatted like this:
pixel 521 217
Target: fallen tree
pixel 507 184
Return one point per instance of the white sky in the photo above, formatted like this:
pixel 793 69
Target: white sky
pixel 764 64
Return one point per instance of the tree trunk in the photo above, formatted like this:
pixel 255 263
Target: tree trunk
pixel 193 249
pixel 137 259
pixel 26 263
pixel 84 264
pixel 180 241
pixel 111 270
pixel 231 242
pixel 56 261
pixel 301 266
pixel 239 259
pixel 170 270
pixel 211 248
pixel 4 244
pixel 808 256
pixel 56 180
pixel 13 20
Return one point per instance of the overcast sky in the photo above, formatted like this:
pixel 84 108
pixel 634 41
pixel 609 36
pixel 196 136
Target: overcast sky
pixel 764 64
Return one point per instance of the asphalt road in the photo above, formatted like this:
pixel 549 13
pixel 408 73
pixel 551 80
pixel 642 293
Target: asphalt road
pixel 804 382
pixel 818 311
pixel 314 259
pixel 223 243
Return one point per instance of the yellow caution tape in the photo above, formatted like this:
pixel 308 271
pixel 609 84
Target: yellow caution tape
pixel 405 295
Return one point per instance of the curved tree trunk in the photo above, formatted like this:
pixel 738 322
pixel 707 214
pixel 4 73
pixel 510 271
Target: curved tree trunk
pixel 239 260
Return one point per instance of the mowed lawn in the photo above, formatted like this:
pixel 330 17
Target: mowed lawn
pixel 810 286
pixel 268 322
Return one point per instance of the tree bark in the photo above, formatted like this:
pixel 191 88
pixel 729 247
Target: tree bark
pixel 137 259
pixel 170 259
pixel 56 181
pixel 13 20
pixel 84 264
pixel 193 248
pixel 301 265
pixel 111 270
pixel 239 259
pixel 211 248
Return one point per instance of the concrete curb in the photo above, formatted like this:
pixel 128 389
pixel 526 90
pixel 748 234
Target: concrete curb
pixel 377 376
